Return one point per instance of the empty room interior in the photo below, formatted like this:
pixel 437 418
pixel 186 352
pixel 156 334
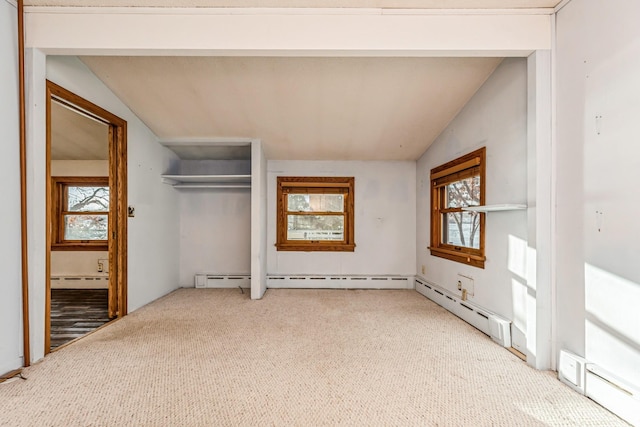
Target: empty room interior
pixel 269 178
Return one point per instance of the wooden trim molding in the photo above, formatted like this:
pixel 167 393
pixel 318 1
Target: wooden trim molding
pixel 316 185
pixel 117 238
pixel 58 200
pixel 23 191
pixel 471 164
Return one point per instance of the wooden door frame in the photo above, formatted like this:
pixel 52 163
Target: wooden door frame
pixel 117 204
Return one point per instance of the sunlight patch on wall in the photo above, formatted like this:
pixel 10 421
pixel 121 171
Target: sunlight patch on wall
pixel 612 334
pixel 519 301
pixel 517 261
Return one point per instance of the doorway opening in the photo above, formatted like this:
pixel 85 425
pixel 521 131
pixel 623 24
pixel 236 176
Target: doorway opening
pixel 86 217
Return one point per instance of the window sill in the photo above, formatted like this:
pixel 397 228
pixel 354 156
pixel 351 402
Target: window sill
pixel 79 247
pixel 461 257
pixel 315 247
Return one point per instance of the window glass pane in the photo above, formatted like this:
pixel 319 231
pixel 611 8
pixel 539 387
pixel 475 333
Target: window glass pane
pixel 315 227
pixel 465 192
pixel 87 199
pixel 85 227
pixel 461 229
pixel 315 202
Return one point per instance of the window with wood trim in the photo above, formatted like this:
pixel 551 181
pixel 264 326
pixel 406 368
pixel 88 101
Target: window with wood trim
pixel 458 234
pixel 80 213
pixel 315 214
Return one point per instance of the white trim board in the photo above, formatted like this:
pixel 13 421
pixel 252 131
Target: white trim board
pixel 285 10
pixel 64 32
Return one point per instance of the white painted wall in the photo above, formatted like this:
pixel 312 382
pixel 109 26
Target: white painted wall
pixel 215 223
pixel 10 303
pixel 385 222
pixel 152 234
pixel 79 263
pixel 79 168
pixel 598 167
pixel 215 232
pixel 496 117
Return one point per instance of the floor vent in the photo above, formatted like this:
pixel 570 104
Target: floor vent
pixel 340 282
pixel 498 328
pixel 204 280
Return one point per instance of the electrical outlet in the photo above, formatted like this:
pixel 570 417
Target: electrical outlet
pixel 466 283
pixel 103 265
pixel 424 269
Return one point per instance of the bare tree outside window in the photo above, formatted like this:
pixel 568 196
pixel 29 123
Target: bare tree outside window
pixel 81 213
pixel 457 234
pixel 89 226
pixel 462 227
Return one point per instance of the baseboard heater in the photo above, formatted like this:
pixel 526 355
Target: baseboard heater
pixel 498 328
pixel 339 282
pixel 79 282
pixel 610 391
pixel 206 280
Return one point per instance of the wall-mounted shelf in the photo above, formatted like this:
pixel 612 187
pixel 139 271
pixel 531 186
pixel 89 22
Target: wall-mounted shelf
pixel 495 208
pixel 207 181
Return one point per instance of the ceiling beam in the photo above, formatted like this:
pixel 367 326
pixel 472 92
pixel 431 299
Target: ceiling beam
pixel 291 32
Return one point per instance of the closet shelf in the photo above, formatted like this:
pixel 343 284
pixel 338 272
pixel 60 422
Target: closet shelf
pixel 207 181
pixel 495 208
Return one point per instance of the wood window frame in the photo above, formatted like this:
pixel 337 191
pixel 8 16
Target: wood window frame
pixel 343 185
pixel 471 164
pixel 58 203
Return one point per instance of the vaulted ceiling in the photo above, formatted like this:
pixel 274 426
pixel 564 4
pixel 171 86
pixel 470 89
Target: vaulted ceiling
pixel 75 136
pixel 301 108
pixel 321 108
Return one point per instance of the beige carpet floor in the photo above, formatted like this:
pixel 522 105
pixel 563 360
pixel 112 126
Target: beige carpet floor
pixel 201 357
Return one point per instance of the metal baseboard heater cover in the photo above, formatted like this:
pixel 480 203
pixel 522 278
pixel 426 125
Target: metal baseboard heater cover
pixel 211 280
pixel 305 281
pixel 79 282
pixel 610 391
pixel 498 328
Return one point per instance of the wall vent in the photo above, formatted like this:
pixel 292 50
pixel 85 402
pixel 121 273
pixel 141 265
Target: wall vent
pixel 498 328
pixel 339 282
pixel 204 280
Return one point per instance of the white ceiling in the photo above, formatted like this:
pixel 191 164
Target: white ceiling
pixel 400 4
pixel 75 136
pixel 301 108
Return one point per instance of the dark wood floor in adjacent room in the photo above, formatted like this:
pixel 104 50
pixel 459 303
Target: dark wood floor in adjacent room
pixel 76 312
